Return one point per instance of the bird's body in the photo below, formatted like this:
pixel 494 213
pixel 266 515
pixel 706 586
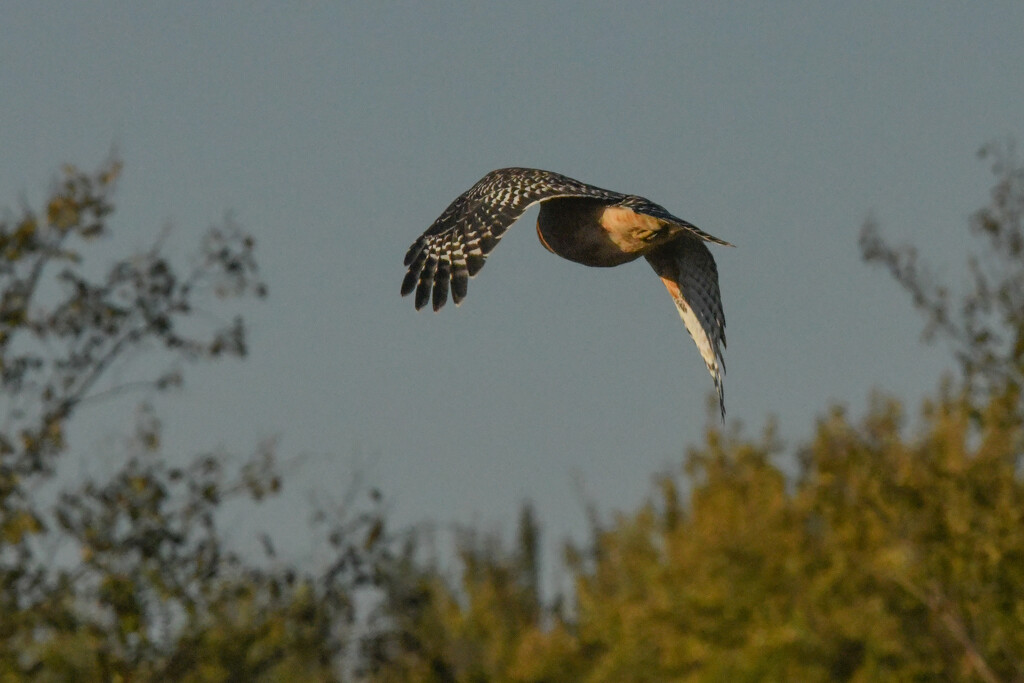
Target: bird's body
pixel 598 234
pixel 581 223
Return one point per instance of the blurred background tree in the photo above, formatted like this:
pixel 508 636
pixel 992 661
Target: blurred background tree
pixel 983 325
pixel 131 578
pixel 894 551
pixel 890 555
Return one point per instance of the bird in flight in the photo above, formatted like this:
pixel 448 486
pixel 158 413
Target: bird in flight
pixel 581 223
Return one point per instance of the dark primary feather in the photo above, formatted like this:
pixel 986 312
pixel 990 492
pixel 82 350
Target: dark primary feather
pixel 456 246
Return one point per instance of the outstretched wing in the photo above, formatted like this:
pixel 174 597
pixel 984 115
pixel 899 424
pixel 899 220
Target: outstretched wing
pixel 454 248
pixel 688 270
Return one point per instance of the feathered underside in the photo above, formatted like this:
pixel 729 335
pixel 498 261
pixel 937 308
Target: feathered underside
pixel 455 247
pixel 688 271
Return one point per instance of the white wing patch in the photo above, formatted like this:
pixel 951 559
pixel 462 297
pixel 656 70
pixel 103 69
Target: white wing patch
pixel 455 247
pixel 688 272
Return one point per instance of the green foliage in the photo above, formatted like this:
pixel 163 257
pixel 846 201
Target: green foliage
pixel 878 549
pixel 131 578
pixel 490 629
pixel 879 552
pixel 892 558
pixel 887 557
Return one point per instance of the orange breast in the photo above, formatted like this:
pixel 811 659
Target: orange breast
pixel 595 234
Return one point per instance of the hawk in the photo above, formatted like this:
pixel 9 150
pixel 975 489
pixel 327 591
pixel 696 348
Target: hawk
pixel 581 223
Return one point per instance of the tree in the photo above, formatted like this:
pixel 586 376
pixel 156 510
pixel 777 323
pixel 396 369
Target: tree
pixel 889 555
pixel 131 578
pixel 984 326
pixel 892 553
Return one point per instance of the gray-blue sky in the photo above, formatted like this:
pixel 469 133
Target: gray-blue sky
pixel 338 132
